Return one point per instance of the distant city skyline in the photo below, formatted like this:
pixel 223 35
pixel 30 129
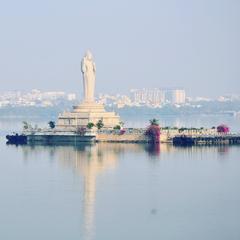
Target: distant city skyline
pixel 189 44
pixel 79 94
pixel 156 98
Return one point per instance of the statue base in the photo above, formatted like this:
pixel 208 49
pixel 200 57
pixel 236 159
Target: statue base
pixel 87 112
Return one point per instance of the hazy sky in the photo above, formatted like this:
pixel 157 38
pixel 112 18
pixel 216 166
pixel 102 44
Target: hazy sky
pixel 194 44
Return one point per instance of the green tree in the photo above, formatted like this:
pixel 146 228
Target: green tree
pixel 90 125
pixel 117 127
pixel 99 124
pixel 52 124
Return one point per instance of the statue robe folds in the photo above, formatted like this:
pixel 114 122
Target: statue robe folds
pixel 88 68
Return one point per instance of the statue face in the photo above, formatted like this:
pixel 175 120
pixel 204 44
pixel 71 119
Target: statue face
pixel 88 55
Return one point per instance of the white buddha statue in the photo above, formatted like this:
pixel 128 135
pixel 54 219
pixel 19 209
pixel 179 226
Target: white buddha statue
pixel 88 69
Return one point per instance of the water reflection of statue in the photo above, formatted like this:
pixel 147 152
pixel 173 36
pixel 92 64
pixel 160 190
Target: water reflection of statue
pixel 90 161
pixel 88 69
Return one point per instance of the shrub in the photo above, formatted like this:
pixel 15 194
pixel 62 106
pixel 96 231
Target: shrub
pixel 122 131
pixel 81 131
pixel 117 127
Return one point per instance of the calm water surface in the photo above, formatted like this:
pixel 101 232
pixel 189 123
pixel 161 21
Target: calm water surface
pixel 118 191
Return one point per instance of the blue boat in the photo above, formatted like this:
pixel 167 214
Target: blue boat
pixel 16 139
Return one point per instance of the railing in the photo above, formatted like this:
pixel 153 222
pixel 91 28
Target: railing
pixel 126 131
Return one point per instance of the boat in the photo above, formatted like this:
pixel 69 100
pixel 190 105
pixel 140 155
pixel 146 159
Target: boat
pixel 183 140
pixel 16 139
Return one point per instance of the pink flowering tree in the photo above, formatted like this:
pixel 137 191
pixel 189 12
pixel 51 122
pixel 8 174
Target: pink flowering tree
pixel 153 131
pixel 223 129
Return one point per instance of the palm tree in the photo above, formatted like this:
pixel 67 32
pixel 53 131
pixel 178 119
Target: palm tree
pixel 25 125
pixel 154 122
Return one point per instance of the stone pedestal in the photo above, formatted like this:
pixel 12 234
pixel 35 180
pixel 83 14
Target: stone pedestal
pixel 85 113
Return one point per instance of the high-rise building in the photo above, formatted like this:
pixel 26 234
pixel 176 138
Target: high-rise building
pixel 158 96
pixel 175 96
pixel 148 96
pixel 178 96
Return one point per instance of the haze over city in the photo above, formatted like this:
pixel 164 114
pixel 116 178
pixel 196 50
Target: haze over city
pixel 188 44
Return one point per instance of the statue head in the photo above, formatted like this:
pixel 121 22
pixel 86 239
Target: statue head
pixel 88 55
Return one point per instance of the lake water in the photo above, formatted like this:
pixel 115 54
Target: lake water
pixel 119 191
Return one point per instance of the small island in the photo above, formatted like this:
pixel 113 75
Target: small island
pixel 90 122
